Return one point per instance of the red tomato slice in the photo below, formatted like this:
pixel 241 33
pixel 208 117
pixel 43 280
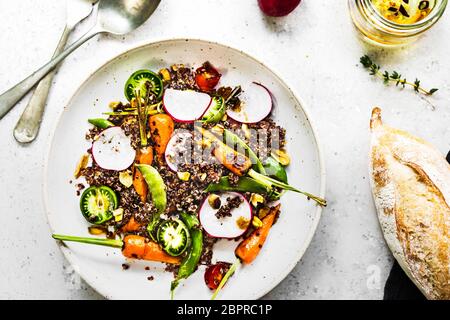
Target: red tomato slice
pixel 214 274
pixel 207 77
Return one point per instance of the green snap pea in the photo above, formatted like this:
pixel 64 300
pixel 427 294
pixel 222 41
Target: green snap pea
pixel 156 186
pixel 157 190
pixel 190 262
pixel 190 220
pixel 101 123
pixel 275 169
pixel 244 184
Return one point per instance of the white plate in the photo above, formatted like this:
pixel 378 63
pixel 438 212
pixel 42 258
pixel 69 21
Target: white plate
pixel 101 266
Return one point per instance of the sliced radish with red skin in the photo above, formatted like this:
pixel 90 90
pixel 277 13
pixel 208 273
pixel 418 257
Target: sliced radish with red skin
pixel 178 143
pixel 112 150
pixel 226 227
pixel 185 105
pixel 256 104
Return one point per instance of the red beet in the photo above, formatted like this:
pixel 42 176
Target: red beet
pixel 278 8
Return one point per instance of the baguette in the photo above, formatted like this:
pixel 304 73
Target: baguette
pixel 410 182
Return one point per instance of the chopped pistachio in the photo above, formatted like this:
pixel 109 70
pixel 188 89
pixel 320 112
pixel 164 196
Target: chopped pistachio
pixel 175 67
pixel 204 142
pixel 126 178
pixel 165 74
pixel 242 223
pixel 118 214
pixel 263 212
pixel 256 222
pixel 81 165
pixel 218 129
pixel 256 198
pixel 214 201
pixel 115 104
pixel 184 176
pixel 246 130
pixel 96 231
pixel 281 156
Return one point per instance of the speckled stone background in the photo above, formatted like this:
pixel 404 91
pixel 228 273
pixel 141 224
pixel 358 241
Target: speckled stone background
pixel 314 49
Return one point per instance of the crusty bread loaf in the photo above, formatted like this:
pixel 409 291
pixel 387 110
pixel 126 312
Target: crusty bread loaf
pixel 411 188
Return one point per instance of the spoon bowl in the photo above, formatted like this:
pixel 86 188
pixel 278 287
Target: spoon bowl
pixel 121 17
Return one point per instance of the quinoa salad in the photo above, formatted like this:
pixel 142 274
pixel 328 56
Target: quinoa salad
pixel 180 164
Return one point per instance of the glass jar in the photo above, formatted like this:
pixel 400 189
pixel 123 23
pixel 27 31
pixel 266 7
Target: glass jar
pixel 375 28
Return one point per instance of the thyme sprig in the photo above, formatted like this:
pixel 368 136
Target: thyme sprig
pixel 394 76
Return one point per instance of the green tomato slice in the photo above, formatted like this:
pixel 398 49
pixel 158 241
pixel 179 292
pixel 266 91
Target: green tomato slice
pixel 174 237
pixel 216 111
pixel 98 203
pixel 139 80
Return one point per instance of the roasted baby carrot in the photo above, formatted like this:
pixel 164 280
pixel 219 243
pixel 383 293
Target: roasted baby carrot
pixel 248 249
pixel 143 156
pixel 133 246
pixel 230 158
pixel 161 129
pixel 138 247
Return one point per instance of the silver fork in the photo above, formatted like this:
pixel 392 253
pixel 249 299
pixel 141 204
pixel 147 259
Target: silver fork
pixel 27 127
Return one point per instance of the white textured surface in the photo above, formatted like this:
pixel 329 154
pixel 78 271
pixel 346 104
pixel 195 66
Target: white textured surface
pixel 314 49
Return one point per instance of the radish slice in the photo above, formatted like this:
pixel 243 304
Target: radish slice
pixel 179 149
pixel 256 104
pixel 112 150
pixel 185 105
pixel 226 227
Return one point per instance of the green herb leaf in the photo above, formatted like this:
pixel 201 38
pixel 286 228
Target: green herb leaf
pixel 433 91
pixel 386 77
pixel 395 75
pixel 416 85
pixel 366 61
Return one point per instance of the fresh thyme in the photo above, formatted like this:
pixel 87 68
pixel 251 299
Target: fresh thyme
pixel 393 76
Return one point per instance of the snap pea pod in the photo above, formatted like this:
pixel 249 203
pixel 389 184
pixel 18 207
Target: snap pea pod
pixel 233 138
pixel 190 262
pixel 244 184
pixel 156 186
pixel 101 123
pixel 157 190
pixel 190 220
pixel 275 169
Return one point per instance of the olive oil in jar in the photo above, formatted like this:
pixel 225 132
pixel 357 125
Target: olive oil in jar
pixel 404 11
pixel 394 22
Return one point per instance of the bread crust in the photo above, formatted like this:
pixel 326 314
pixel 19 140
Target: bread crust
pixel 411 188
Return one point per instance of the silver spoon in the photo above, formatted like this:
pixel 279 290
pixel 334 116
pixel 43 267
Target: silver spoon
pixel 114 16
pixel 29 123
